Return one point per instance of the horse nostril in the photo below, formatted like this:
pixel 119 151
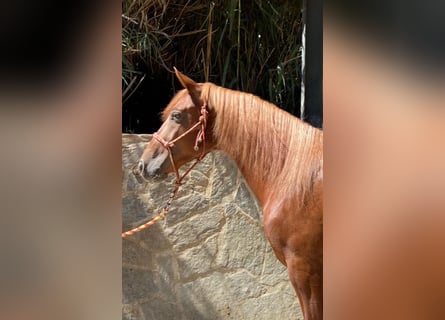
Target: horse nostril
pixel 141 166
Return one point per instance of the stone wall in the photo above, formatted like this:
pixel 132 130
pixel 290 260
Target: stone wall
pixel 209 258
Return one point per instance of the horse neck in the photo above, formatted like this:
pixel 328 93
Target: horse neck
pixel 262 139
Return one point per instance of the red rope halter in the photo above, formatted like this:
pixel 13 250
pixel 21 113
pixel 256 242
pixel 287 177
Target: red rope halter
pixel 200 138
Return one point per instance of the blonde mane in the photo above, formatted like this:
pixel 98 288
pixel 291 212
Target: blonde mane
pixel 282 151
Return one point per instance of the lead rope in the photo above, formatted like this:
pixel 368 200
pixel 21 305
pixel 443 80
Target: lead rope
pixel 200 138
pixel 160 216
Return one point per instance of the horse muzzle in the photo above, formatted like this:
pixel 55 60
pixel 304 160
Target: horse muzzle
pixel 143 172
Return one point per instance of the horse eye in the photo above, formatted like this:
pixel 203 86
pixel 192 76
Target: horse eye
pixel 176 116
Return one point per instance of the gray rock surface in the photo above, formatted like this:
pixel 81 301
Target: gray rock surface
pixel 209 258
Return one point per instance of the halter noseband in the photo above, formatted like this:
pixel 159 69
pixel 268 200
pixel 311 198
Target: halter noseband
pixel 200 137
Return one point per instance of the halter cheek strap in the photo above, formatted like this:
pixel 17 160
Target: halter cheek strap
pixel 200 138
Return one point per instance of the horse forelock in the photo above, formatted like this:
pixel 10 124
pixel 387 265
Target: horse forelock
pixel 177 98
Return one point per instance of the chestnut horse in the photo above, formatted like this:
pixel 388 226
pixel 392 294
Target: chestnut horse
pixel 280 156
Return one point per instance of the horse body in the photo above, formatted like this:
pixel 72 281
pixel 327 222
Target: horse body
pixel 281 159
pixel 295 235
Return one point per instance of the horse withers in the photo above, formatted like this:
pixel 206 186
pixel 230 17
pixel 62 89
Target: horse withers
pixel 280 156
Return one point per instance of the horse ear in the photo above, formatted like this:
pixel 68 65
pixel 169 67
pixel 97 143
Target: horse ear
pixel 192 87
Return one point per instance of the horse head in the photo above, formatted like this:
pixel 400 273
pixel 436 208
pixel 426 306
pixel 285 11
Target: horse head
pixel 181 137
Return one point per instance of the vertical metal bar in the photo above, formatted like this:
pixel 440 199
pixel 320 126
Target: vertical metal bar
pixel 303 60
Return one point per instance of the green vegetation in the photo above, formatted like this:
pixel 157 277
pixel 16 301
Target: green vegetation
pixel 251 46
